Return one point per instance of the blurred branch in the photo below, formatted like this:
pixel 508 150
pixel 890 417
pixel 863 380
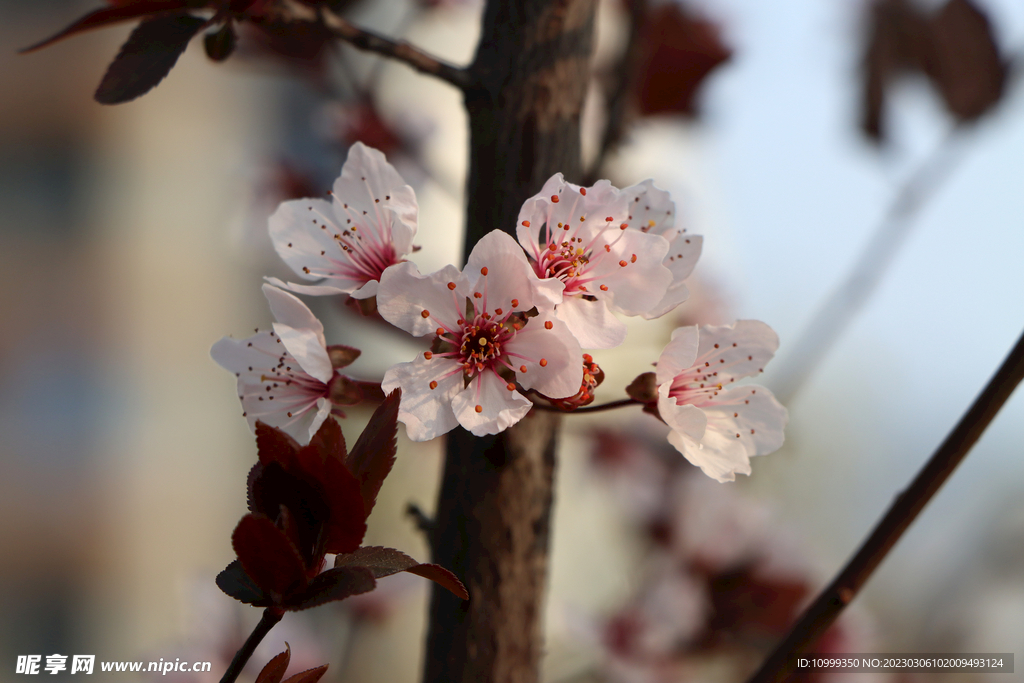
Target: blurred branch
pixel 838 310
pixel 904 510
pixel 621 90
pixel 846 300
pixel 421 519
pixel 400 50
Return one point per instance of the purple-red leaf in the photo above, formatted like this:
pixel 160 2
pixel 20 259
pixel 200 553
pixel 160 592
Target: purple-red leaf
pixel 276 668
pixel 308 676
pixel 149 54
pixel 237 584
pixel 330 441
pixel 966 65
pixel 373 455
pixel 111 15
pixel 267 556
pixel 334 584
pixel 347 525
pixel 387 561
pixel 274 445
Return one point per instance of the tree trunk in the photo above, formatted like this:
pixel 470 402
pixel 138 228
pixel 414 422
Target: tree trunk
pixel 494 512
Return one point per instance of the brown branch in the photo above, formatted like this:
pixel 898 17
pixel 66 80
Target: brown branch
pixel 399 50
pixel 826 608
pixel 269 619
pixel 612 405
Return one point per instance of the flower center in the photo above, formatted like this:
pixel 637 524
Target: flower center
pixel 481 345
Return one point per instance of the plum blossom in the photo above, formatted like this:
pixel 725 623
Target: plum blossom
pixel 579 236
pixel 718 428
pixel 349 241
pixel 285 375
pixel 652 210
pixel 487 341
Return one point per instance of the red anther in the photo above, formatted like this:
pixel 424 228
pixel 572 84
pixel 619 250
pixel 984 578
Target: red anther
pixel 451 285
pixel 510 386
pixel 483 271
pixel 480 409
pixel 526 224
pixel 428 355
pixel 604 288
pixel 543 362
pixel 607 247
pixel 548 325
pixel 554 199
pixel 632 259
pixel 433 385
pixel 522 368
pixel 623 226
pixel 425 313
pixel 583 191
pixel 623 264
pixel 515 302
pixel 439 331
pixel 498 311
pixel 477 295
pixel 610 218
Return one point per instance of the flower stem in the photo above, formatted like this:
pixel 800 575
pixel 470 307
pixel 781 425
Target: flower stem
pixel 270 618
pixel 590 409
pixel 826 608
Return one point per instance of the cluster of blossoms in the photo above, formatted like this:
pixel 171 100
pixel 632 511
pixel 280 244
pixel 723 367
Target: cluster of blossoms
pixel 509 328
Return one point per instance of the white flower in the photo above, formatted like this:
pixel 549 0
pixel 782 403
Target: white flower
pixel 579 236
pixel 651 210
pixel 349 241
pixel 715 427
pixel 482 347
pixel 284 374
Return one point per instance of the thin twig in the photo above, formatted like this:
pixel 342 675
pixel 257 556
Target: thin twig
pixel 589 409
pixel 621 96
pixel 826 608
pixel 839 309
pixel 422 520
pixel 399 50
pixel 270 618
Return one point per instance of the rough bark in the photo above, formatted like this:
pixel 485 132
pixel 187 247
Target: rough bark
pixel 494 511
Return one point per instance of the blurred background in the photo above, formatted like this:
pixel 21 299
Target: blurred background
pixel 134 236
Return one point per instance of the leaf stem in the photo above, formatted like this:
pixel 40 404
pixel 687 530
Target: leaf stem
pixel 399 50
pixel 270 618
pixel 908 504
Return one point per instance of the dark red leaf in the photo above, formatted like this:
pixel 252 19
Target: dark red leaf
pixel 387 561
pixel 966 65
pixel 112 15
pixel 679 51
pixel 334 584
pixel 898 41
pixel 149 54
pixel 347 524
pixel 251 485
pixel 236 583
pixel 330 441
pixel 267 556
pixel 276 668
pixel 274 445
pixel 373 455
pixel 308 676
